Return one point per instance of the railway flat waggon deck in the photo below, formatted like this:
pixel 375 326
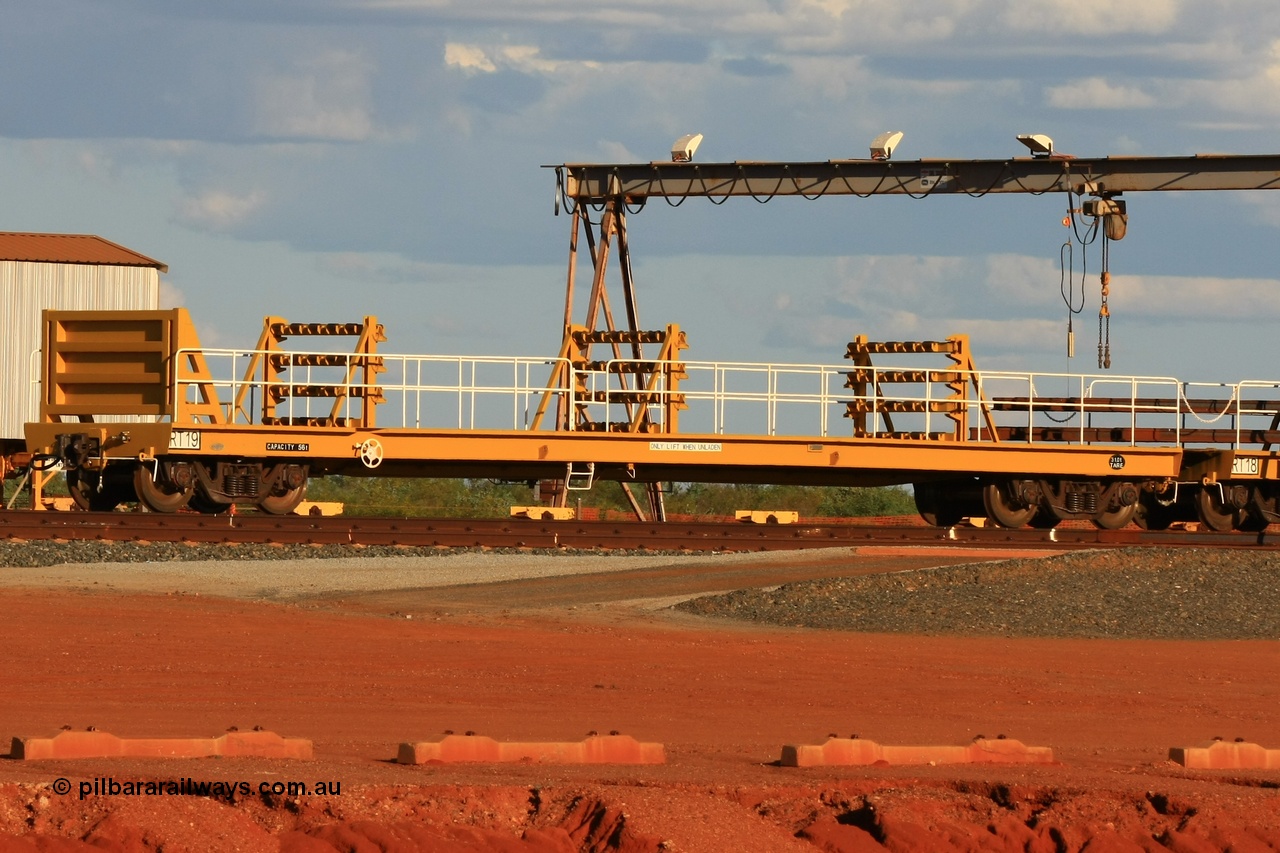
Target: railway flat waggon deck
pixel 135 409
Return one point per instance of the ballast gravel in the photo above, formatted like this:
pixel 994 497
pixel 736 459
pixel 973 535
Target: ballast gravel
pixel 1129 593
pixel 1192 594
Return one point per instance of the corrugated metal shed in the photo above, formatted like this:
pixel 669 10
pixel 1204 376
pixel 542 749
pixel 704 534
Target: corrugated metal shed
pixel 64 271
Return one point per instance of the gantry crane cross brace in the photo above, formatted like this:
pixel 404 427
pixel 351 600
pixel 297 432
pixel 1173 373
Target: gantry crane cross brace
pixel 596 183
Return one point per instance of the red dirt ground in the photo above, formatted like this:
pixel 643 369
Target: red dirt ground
pixel 724 698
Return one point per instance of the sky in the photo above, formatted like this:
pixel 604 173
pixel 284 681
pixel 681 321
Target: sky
pixel 323 160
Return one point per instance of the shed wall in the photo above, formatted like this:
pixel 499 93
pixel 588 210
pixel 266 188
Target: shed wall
pixel 26 289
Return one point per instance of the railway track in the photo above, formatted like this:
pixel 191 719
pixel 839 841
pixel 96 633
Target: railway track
pixel 606 535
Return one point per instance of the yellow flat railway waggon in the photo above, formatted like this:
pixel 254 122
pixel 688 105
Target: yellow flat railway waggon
pixel 135 409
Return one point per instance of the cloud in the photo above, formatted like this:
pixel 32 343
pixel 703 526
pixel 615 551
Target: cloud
pixel 171 296
pixel 612 151
pixel 468 57
pixel 1005 303
pixel 1092 17
pixel 913 297
pixel 1253 94
pixel 525 58
pixel 1206 298
pixel 1095 93
pixel 1267 205
pixel 870 280
pixel 219 210
pixel 1022 279
pixel 324 98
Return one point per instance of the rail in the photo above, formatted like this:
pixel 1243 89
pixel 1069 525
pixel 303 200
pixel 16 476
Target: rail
pixel 501 393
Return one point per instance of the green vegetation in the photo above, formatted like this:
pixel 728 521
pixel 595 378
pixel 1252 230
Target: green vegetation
pixel 395 497
pixel 56 487
pixel 392 496
pixel 482 498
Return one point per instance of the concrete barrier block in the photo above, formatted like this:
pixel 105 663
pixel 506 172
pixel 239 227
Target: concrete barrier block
pixel 604 749
pixel 1221 755
pixel 859 751
pixel 263 745
pixel 95 744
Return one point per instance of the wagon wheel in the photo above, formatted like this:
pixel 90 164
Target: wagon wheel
pixel 83 487
pixel 1214 513
pixel 1004 509
pixel 162 496
pixel 934 507
pixel 1114 519
pixel 1262 508
pixel 284 502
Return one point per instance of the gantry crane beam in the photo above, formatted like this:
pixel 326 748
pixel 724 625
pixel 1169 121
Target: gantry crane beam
pixel 595 182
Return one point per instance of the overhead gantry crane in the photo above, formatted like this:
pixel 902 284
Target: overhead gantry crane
pixel 614 189
pixel 1098 181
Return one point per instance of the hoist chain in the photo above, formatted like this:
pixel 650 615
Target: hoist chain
pixel 1104 310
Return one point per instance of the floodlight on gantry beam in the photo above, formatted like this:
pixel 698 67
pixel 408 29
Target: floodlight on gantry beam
pixel 1037 143
pixel 597 182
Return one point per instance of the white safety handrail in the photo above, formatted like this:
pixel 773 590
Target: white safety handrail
pixel 749 398
pixel 418 390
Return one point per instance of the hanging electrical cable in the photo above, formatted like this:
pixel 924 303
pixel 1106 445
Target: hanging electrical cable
pixel 1067 287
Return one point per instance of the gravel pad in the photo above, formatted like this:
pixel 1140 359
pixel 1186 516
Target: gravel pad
pixel 1130 593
